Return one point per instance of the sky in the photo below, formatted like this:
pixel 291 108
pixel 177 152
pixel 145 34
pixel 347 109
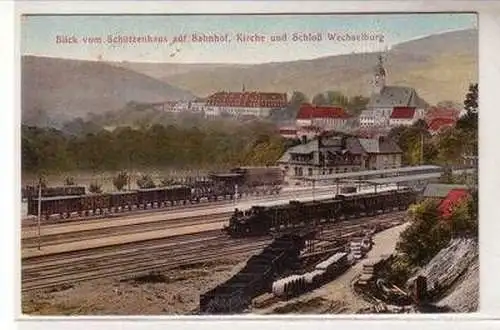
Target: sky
pixel 171 37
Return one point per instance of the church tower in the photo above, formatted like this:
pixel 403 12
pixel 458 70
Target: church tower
pixel 379 76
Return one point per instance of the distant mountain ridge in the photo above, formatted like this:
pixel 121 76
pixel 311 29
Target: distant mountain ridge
pixel 54 90
pixel 439 67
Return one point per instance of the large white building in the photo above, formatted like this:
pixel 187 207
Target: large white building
pixel 384 99
pixel 244 103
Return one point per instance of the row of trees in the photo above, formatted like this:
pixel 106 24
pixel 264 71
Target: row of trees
pixel 50 150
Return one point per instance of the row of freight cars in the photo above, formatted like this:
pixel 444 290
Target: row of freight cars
pixel 241 181
pixel 264 220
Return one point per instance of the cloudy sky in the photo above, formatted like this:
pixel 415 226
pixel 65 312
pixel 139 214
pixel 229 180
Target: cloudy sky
pixel 39 35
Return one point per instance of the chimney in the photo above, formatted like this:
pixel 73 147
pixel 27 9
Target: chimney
pixel 304 139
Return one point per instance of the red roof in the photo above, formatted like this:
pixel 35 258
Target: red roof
pixel 403 113
pixel 454 197
pixel 288 131
pixel 440 123
pixel 311 129
pixel 248 100
pixel 435 112
pixel 309 111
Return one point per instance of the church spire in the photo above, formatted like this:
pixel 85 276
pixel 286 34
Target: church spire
pixel 379 75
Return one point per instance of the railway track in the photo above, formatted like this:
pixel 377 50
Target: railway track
pixel 78 235
pixel 31 221
pixel 160 254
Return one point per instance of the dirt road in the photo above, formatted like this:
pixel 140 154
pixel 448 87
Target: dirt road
pixel 337 296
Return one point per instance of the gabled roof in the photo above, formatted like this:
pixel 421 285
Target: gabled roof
pixel 381 145
pixel 436 112
pixel 439 123
pixel 454 197
pixel 396 96
pixel 248 99
pixel 309 111
pixel 440 190
pixel 403 113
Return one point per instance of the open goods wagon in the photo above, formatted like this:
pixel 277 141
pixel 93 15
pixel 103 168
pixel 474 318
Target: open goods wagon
pixel 102 203
pixel 261 220
pixel 32 191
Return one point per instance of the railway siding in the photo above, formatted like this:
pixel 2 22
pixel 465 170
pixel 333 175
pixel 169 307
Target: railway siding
pixel 117 240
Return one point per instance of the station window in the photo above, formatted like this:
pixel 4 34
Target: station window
pixel 310 171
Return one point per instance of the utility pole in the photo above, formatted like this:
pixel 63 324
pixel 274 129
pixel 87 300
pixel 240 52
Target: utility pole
pixel 421 148
pixel 39 213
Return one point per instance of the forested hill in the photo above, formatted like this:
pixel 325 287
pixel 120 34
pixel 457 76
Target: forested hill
pixel 56 90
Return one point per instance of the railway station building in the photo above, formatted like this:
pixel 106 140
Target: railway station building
pixel 338 153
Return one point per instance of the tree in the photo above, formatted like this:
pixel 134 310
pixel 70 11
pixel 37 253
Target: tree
pixel 426 235
pixel 145 182
pixel 69 181
pixel 357 104
pixel 121 180
pixel 469 122
pixel 95 188
pixel 319 99
pixel 337 99
pixel 298 98
pixel 470 102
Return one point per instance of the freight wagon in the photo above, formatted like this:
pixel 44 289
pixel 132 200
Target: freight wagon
pixel 72 200
pixel 262 220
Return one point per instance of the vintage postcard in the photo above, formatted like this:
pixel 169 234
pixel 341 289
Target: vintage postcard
pixel 249 164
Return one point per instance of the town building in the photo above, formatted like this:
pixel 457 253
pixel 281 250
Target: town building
pixel 339 153
pixel 244 103
pixel 384 99
pixel 301 132
pixel 439 119
pixel 405 116
pixel 327 118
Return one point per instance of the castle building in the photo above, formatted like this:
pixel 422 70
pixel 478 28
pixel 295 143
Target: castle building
pixel 244 103
pixel 384 99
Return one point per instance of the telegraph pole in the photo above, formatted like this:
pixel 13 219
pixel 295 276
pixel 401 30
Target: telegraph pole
pixel 39 213
pixel 421 148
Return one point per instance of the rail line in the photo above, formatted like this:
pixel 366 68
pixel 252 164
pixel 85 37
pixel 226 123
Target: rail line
pixel 145 256
pixel 31 221
pixel 77 235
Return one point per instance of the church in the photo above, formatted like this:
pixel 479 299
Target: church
pixel 391 105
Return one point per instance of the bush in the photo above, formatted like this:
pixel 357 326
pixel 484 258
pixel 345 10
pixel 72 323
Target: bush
pixel 95 188
pixel 69 181
pixel 121 180
pixel 167 182
pixel 426 235
pixel 145 182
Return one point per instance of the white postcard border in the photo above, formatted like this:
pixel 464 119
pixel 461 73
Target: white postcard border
pixel 489 80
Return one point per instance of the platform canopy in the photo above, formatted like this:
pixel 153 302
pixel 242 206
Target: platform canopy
pixel 361 174
pixel 406 178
